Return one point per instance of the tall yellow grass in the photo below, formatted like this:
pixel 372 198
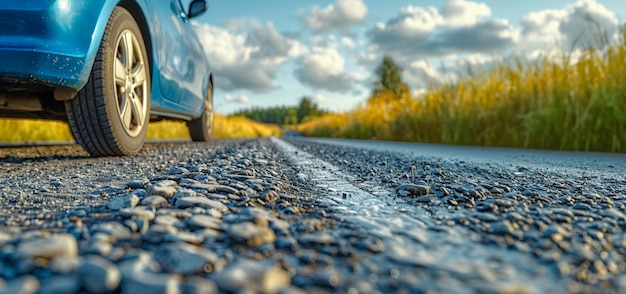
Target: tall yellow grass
pixel 28 130
pixel 545 103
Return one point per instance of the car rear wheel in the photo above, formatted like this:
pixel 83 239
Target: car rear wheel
pixel 110 115
pixel 201 129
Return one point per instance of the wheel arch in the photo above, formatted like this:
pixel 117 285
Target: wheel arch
pixel 136 11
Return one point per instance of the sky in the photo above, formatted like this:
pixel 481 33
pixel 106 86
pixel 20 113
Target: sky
pixel 274 52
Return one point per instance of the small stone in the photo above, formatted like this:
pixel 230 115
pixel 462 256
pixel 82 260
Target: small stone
pixel 114 230
pixel 169 220
pixel 137 261
pixel 215 188
pixel 137 213
pixel 177 213
pixel 165 189
pixel 176 170
pixel 156 233
pixel 65 265
pixel 201 221
pixel 61 245
pixel 24 284
pixel 60 285
pixel 501 229
pixel 118 203
pixel 184 192
pixel 257 277
pixel 414 190
pixel 251 234
pixel 199 285
pixel 188 202
pixel 138 183
pixel 155 201
pixel 183 236
pixel 141 282
pixel 425 199
pixel 328 277
pixel 186 259
pixel 99 275
pixel 581 206
pixel 487 217
pixel 317 238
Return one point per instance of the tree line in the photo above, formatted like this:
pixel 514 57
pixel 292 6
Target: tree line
pixel 306 110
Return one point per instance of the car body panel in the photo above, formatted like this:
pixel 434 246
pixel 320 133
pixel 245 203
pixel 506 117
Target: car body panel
pixel 50 42
pixel 53 43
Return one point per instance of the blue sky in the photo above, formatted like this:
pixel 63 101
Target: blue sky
pixel 270 53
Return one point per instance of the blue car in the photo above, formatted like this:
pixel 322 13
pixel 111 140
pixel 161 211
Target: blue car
pixel 107 67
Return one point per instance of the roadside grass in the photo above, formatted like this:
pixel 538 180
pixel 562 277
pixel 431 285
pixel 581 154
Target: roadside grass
pixel 30 130
pixel 546 103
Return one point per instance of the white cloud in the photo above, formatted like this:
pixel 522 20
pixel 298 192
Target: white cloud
pixel 425 32
pixel 577 25
pixel 240 24
pixel 338 16
pixel 247 60
pixel 241 99
pixel 323 68
pixel 348 42
pixel 318 98
pixel 464 13
pixel 421 73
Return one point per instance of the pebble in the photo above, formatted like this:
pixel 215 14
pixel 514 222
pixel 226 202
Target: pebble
pixel 199 285
pixel 137 213
pixel 98 275
pixel 252 276
pixel 141 282
pixel 65 265
pixel 217 222
pixel 250 234
pixel 200 221
pixel 413 190
pixel 138 183
pixel 190 202
pixel 55 246
pixel 166 189
pixel 316 239
pixel 155 201
pixel 186 259
pixel 60 285
pixel 118 203
pixel 24 285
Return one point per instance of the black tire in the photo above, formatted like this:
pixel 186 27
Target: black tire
pixel 110 115
pixel 201 129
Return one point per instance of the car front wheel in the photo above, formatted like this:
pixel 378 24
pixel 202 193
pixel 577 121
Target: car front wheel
pixel 201 129
pixel 110 115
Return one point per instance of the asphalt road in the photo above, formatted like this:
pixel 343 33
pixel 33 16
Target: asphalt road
pixel 312 215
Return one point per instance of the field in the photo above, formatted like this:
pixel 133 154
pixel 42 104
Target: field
pixel 545 103
pixel 26 130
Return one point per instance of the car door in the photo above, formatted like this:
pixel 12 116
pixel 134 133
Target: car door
pixel 195 66
pixel 170 49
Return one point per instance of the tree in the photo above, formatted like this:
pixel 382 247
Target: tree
pixel 390 78
pixel 306 108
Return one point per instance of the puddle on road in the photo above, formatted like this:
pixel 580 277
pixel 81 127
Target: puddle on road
pixel 413 239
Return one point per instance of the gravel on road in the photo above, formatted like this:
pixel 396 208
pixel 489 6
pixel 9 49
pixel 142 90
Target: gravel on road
pixel 266 216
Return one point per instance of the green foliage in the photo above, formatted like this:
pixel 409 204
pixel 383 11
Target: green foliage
pixel 306 110
pixel 390 78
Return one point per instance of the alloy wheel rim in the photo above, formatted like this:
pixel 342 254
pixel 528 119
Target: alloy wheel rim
pixel 131 85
